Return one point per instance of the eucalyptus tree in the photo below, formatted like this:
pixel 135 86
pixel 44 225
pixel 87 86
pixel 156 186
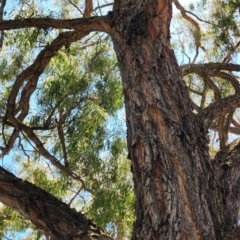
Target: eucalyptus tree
pixel 182 190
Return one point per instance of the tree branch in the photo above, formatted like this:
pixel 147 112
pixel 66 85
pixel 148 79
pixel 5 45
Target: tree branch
pixel 208 68
pixel 45 211
pixel 97 23
pixel 234 130
pixel 204 95
pixel 103 6
pixel 212 86
pixel 42 150
pixel 62 138
pixel 218 109
pixel 235 123
pixel 229 77
pixel 228 57
pixel 214 70
pixel 198 18
pixel 10 143
pixel 88 8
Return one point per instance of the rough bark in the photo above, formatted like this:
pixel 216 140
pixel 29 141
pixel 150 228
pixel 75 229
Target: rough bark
pixel 227 167
pixel 177 195
pixel 56 219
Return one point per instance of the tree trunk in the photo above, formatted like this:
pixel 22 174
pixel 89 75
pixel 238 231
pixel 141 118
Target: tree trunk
pixel 56 219
pixel 177 195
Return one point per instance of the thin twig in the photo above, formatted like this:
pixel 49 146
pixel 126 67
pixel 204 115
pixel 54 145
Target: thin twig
pixel 75 6
pixel 69 204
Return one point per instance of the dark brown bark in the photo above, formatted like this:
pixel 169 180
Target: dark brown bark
pixel 55 218
pixel 88 8
pixel 180 192
pixel 227 167
pixel 177 195
pixel 82 24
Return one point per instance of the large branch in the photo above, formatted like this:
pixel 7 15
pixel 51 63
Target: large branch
pixel 45 211
pixel 208 68
pixel 218 109
pixel 88 8
pixel 214 70
pixel 31 75
pixel 3 3
pixel 234 130
pixel 98 23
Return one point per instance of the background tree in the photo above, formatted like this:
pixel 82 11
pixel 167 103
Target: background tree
pixel 59 87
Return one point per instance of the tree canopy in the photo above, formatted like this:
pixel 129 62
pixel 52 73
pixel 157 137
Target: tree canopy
pixel 62 107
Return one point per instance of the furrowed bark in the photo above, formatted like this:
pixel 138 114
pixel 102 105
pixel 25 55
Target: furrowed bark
pixel 227 168
pixel 45 211
pixel 176 192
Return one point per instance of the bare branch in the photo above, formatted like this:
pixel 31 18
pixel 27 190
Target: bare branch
pixel 235 123
pixel 212 86
pixel 195 106
pixel 195 91
pixel 204 94
pixel 102 6
pixel 230 78
pixel 223 127
pixel 21 147
pixel 10 143
pixel 218 109
pixel 233 130
pixel 74 197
